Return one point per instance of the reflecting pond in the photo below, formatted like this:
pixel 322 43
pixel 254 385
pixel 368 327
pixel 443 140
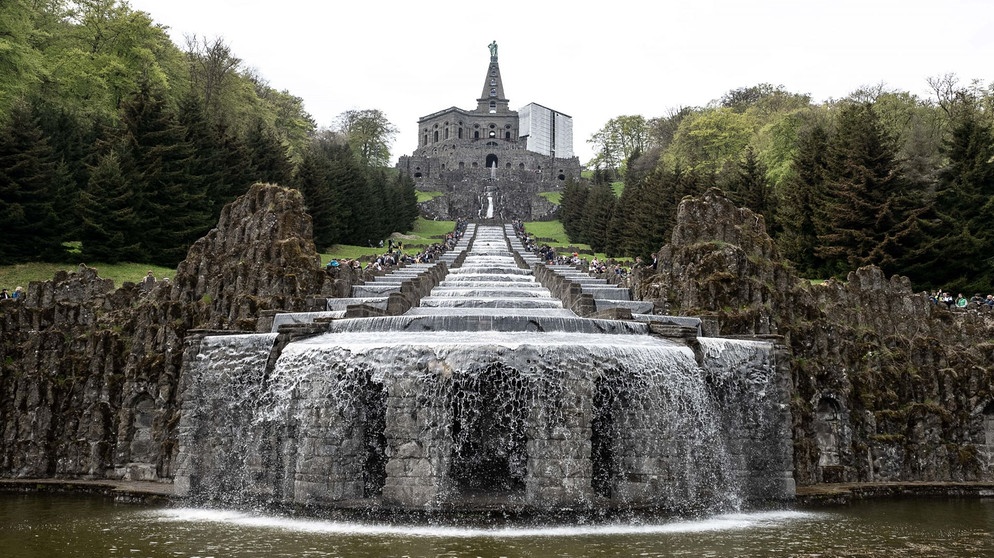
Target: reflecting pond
pixel 45 525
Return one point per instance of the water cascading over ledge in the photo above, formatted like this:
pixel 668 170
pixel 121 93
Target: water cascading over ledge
pixel 477 401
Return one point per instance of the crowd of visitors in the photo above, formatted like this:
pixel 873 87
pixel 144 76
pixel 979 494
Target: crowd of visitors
pixel 18 294
pixel 977 301
pixel 396 254
pixel 595 266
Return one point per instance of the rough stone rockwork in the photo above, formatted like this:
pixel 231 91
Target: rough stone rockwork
pixel 89 374
pixel 887 386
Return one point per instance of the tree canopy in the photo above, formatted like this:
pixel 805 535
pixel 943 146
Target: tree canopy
pixel 116 137
pixel 880 177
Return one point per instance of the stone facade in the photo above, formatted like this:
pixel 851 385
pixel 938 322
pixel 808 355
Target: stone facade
pixel 466 154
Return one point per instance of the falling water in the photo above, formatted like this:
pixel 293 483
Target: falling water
pixel 488 395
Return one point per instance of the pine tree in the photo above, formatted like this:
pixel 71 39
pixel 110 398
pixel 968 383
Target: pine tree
pixel 405 209
pixel 216 159
pixel 798 205
pixel 158 161
pixel 749 187
pixel 958 254
pixel 596 217
pixel 73 142
pixel 624 238
pixel 267 155
pixel 107 213
pixel 571 206
pixel 376 221
pixel 866 199
pixel 312 179
pixel 29 184
pixel 350 184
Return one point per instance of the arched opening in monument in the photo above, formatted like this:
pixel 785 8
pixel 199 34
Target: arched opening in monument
pixel 372 421
pixel 561 176
pixel 491 160
pixel 436 135
pixel 604 467
pixel 489 447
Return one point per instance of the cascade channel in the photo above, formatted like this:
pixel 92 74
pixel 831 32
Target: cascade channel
pixel 488 395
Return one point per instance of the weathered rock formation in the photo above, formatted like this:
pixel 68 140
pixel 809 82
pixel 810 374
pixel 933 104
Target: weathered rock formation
pixel 89 374
pixel 887 386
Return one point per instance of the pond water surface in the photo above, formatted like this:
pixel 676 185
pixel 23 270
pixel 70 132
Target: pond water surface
pixel 45 525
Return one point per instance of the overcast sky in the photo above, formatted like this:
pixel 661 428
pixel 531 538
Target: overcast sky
pixel 593 61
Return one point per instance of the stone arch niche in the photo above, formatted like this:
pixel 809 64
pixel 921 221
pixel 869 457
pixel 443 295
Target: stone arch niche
pixel 143 413
pixel 141 449
pixel 830 419
pixel 491 160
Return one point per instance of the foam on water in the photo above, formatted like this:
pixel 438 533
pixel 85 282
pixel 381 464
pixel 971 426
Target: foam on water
pixel 716 523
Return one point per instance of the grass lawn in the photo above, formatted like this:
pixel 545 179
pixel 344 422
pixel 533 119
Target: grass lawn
pixel 425 233
pixel 552 233
pixel 425 196
pixel 553 197
pixel 12 276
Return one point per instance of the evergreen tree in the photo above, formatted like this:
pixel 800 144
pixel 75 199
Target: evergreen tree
pixel 404 203
pixel 596 217
pixel 158 160
pixel 799 201
pixel 30 180
pixel 377 221
pixel 73 142
pixel 312 179
pixel 622 236
pixel 108 218
pixel 749 188
pixel 571 206
pixel 232 155
pixel 351 186
pixel 267 155
pixel 866 200
pixel 960 250
pixel 652 216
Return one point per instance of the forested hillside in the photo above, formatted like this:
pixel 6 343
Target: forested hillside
pixel 881 177
pixel 121 144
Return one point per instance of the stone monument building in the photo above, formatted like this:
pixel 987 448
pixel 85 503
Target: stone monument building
pixel 492 162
